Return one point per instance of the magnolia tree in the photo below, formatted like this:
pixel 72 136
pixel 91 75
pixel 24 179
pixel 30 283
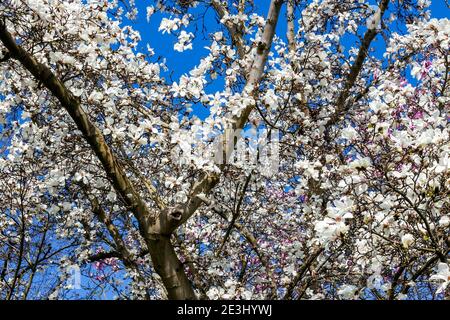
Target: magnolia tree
pixel 320 170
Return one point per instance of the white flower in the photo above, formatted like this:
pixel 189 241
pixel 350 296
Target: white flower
pixel 348 292
pixel 95 96
pixel 360 163
pixel 184 41
pixel 168 25
pixel 402 296
pixel 329 229
pixel 309 168
pixel 215 293
pixel 80 176
pixel 444 221
pixel 349 133
pixel 218 36
pixel 402 139
pixel 247 295
pixel 427 137
pixel 407 240
pixel 341 209
pixel 325 230
pixel 334 225
pixel 374 281
pixel 443 274
pixel 415 72
pixel 150 12
pixel 444 164
pixel 111 196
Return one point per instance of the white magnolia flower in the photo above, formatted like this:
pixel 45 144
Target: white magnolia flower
pixel 374 281
pixel 402 139
pixel 348 292
pixel 215 293
pixel 246 294
pixel 443 274
pixel 95 96
pixel 427 137
pixel 402 296
pixel 334 225
pixel 150 12
pixel 184 41
pixel 168 25
pixel 111 196
pixel 444 164
pixel 328 229
pixel 360 163
pixel 349 133
pixel 444 221
pixel 341 209
pixel 407 240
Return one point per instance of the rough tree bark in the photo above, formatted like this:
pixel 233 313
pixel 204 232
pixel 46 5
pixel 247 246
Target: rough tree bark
pixel 290 33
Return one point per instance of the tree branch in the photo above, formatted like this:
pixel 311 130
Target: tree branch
pixel 208 181
pixel 341 106
pixel 90 132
